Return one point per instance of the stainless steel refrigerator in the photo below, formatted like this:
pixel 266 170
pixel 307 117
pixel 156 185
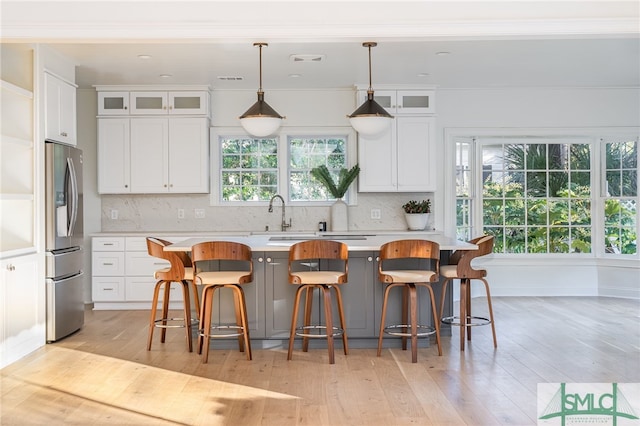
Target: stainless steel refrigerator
pixel 64 238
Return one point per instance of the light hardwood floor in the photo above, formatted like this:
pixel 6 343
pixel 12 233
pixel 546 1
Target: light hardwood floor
pixel 104 375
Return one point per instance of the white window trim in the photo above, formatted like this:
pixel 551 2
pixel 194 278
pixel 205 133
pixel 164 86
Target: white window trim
pixel 592 134
pixel 283 171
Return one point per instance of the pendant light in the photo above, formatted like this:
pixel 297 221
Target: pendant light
pixel 261 120
pixel 370 119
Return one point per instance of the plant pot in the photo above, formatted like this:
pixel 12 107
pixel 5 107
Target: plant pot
pixel 339 216
pixel 417 221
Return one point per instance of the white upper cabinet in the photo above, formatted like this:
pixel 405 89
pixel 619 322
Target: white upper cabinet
pixel 60 110
pixel 113 103
pixel 403 101
pixel 401 159
pixel 176 103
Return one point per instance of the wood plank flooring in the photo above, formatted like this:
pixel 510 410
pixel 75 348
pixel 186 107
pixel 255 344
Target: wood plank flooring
pixel 104 375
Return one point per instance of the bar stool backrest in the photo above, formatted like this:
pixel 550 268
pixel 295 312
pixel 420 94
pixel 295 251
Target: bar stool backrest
pixel 318 250
pixel 225 250
pixel 463 258
pixel 409 249
pixel 178 260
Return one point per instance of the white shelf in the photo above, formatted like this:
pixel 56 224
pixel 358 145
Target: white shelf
pixel 5 85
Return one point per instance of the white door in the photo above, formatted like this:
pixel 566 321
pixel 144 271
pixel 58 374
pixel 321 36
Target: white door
pixel 188 155
pixel 377 159
pixel 113 156
pixel 149 151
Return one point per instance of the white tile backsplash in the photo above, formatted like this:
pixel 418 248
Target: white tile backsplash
pixel 160 213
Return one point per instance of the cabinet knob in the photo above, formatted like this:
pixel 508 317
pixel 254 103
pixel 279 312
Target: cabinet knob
pixel 377 258
pixel 164 107
pixel 165 185
pixel 63 134
pixel 126 108
pixel 260 259
pixel 370 259
pixel 126 186
pixel 269 260
pixel 10 267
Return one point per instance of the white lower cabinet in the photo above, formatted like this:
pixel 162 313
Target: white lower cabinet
pixel 21 308
pixel 123 274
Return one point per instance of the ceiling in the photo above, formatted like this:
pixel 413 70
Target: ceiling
pixel 486 44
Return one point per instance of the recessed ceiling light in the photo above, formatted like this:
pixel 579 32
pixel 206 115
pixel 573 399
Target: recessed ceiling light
pixel 306 58
pixel 144 56
pixel 166 75
pixel 424 74
pixel 295 75
pixel 443 53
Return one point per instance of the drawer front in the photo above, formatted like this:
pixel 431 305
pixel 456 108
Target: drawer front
pixel 136 244
pixel 107 264
pixel 141 264
pixel 108 289
pixel 107 243
pixel 140 289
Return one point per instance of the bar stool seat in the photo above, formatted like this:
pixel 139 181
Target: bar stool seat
pixel 178 273
pixel 240 256
pixel 411 251
pixel 460 269
pixel 310 254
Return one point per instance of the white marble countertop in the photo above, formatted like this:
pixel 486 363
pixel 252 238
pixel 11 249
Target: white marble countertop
pixel 355 241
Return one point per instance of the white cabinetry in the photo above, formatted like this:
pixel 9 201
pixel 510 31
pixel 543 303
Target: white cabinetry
pixel 113 103
pixel 19 314
pixel 153 154
pixel 401 159
pixel 60 110
pixel 403 101
pixel 174 102
pixel 123 274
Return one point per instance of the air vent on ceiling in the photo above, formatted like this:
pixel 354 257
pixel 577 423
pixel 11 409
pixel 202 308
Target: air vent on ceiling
pixel 230 77
pixel 306 58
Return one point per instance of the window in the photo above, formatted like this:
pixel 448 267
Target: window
pixel 249 168
pixel 464 188
pixel 305 153
pixel 247 171
pixel 540 194
pixel 620 192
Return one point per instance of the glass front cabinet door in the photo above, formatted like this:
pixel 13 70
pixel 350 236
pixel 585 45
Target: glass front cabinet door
pixel 113 103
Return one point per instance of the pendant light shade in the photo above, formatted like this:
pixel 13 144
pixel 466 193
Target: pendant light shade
pixel 370 118
pixel 261 120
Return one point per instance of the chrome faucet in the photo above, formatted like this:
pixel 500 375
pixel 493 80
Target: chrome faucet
pixel 284 224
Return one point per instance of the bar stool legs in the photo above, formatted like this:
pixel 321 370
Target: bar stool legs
pixel 466 321
pixel 165 321
pixel 305 330
pixel 242 324
pixel 410 328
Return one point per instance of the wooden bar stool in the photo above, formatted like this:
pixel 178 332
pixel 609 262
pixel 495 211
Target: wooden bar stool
pixel 394 253
pixel 239 256
pixel 460 269
pixel 305 271
pixel 181 272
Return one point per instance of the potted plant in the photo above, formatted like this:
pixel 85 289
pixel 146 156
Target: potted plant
pixel 417 213
pixel 339 211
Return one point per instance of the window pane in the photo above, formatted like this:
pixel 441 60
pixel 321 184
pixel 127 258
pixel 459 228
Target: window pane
pixel 514 240
pixel 580 157
pixel 536 157
pixel 249 168
pixel 493 212
pixel 537 240
pixel 537 213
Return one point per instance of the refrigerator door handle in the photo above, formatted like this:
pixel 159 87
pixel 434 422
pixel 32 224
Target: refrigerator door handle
pixel 73 196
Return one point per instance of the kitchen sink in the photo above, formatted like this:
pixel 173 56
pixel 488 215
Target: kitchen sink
pixel 317 237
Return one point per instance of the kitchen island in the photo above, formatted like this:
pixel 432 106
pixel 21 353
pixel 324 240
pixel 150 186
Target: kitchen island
pixel 269 297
